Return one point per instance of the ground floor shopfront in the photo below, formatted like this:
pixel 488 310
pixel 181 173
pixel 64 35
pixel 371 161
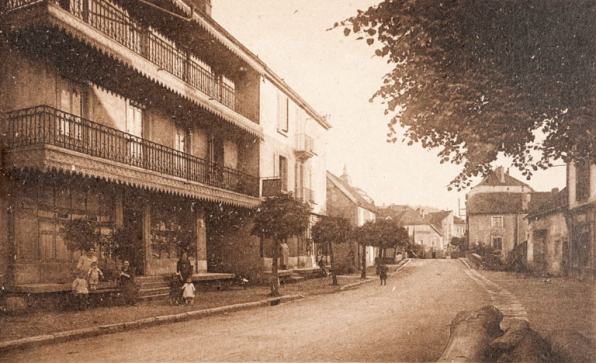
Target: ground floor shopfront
pixel 159 226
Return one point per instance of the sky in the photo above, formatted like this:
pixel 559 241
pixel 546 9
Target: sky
pixel 337 75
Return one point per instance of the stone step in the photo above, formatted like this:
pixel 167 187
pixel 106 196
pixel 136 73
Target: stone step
pixel 148 292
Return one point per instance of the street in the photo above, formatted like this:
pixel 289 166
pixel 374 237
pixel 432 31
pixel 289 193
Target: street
pixel 407 320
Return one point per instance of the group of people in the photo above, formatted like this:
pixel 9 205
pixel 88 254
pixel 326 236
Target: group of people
pixel 88 275
pixel 87 278
pixel 182 289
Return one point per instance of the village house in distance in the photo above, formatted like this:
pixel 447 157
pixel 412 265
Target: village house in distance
pixel 126 115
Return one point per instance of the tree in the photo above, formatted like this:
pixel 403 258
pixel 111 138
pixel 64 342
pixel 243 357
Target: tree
pixel 280 218
pixel 480 79
pixel 389 235
pixel 365 235
pixel 330 230
pixel 80 235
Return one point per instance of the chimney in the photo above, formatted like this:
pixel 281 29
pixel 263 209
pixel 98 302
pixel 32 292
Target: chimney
pixel 203 5
pixel 500 174
pixel 555 191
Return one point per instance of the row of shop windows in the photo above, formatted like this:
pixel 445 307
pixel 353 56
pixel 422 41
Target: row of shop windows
pixel 41 212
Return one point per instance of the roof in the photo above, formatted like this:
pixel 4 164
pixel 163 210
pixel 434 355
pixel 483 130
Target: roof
pixel 556 202
pixel 351 192
pixel 437 218
pixel 492 179
pixel 457 220
pixel 504 203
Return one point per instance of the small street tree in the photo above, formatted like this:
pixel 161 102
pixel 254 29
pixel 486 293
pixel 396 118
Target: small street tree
pixel 364 235
pixel 278 219
pixel 389 235
pixel 330 230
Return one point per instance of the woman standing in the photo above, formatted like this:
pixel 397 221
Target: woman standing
pixel 184 267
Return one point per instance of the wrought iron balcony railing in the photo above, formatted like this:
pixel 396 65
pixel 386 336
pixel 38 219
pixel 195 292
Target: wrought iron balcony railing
pixel 305 194
pixel 271 187
pixel 119 26
pixel 44 125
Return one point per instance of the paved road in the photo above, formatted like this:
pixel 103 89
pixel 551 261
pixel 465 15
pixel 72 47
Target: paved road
pixel 407 320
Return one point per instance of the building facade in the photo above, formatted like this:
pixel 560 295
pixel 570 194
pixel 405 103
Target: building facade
pixel 496 209
pixel 581 186
pixel 548 237
pixel 346 201
pixel 126 116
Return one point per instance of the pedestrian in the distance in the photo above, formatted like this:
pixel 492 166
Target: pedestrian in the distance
pixel 188 292
pixel 383 274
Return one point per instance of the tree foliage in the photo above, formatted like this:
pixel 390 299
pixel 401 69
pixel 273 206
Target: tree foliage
pixel 80 235
pixel 479 79
pixel 330 230
pixel 280 218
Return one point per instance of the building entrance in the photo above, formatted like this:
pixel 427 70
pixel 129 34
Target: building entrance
pixel 135 253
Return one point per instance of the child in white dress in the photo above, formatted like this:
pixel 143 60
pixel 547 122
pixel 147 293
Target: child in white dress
pixel 188 292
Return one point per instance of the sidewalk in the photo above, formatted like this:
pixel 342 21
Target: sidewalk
pixel 551 303
pixel 47 327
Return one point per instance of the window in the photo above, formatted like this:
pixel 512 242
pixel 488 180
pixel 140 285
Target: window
pixel 71 102
pixel 134 126
pixel 582 180
pixel 496 222
pixel 283 116
pixel 181 138
pixel 497 243
pixel 283 173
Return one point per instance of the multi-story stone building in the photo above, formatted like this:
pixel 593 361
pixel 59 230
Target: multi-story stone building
pixel 147 117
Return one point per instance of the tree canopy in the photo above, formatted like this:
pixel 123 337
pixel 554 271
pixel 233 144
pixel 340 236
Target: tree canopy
pixel 331 229
pixel 280 218
pixel 479 79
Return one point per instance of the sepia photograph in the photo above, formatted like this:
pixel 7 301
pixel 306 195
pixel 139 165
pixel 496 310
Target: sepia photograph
pixel 298 181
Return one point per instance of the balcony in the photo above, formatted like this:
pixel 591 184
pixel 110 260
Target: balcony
pixel 272 187
pixel 117 25
pixel 305 147
pixel 306 195
pixel 44 125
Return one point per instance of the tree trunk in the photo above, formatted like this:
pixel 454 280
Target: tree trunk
pixel 274 274
pixel 363 262
pixel 333 274
pixel 471 333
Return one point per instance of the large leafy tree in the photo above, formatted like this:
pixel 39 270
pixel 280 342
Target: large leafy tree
pixel 479 79
pixel 278 219
pixel 329 231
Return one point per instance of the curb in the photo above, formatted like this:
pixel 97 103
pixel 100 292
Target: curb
pixel 138 324
pixel 348 286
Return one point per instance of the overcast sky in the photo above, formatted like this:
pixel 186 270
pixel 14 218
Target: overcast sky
pixel 337 76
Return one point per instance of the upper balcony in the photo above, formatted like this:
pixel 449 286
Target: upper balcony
pixel 305 147
pixel 107 27
pixel 45 138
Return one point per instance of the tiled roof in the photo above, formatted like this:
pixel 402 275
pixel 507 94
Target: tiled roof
pixel 351 192
pixel 504 203
pixel 554 203
pixel 437 218
pixel 492 179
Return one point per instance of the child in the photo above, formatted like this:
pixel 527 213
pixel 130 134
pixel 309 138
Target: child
pixel 175 287
pixel 383 274
pixel 188 292
pixel 93 275
pixel 80 291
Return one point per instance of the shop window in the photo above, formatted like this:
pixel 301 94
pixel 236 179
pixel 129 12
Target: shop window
pixel 172 230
